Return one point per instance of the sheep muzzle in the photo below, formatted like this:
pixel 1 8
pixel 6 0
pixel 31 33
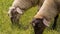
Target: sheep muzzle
pixel 14 20
pixel 38 25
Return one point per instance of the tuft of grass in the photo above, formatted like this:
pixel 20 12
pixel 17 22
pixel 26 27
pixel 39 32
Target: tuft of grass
pixel 26 28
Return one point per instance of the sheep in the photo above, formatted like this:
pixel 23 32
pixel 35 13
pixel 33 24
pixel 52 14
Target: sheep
pixel 19 6
pixel 49 10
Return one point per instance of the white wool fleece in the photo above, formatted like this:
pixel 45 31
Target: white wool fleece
pixel 24 4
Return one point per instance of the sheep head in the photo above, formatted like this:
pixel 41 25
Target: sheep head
pixel 38 25
pixel 14 13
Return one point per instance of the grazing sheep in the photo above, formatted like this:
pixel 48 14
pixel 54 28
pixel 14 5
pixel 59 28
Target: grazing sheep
pixel 49 10
pixel 45 14
pixel 19 6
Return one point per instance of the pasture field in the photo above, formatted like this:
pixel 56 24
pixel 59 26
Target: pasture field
pixel 7 28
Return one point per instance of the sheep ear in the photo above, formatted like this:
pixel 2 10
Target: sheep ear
pixel 46 22
pixel 19 11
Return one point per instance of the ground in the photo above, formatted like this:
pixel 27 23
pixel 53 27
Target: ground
pixel 7 28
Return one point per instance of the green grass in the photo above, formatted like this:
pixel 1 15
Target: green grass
pixel 26 28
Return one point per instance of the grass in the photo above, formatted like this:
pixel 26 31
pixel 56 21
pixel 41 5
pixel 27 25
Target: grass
pixel 26 28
